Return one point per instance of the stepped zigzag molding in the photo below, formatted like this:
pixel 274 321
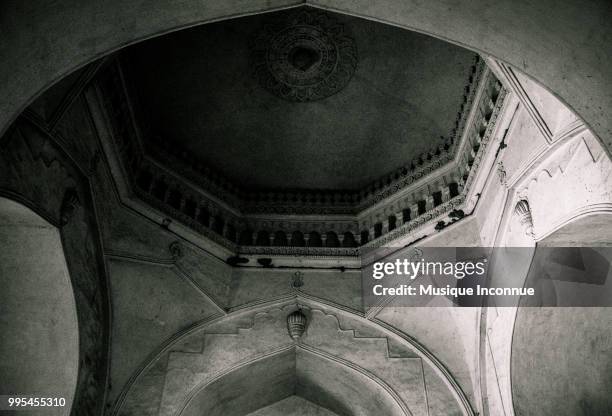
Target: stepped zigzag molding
pixel 284 304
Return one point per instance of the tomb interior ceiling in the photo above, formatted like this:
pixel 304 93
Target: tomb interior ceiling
pixel 299 128
pixel 297 99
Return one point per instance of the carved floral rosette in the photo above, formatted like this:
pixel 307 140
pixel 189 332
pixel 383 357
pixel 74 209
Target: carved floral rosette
pixel 308 57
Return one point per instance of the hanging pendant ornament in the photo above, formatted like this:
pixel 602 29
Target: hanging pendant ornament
pixel 296 324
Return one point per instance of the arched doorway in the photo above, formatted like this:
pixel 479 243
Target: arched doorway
pixel 556 344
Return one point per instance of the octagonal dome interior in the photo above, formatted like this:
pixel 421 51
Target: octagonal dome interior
pixel 196 91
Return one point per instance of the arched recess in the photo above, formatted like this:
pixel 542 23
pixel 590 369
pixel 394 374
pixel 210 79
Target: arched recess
pixel 551 345
pixel 38 173
pixel 177 379
pixel 574 40
pixel 38 317
pixel 562 200
pixel 308 374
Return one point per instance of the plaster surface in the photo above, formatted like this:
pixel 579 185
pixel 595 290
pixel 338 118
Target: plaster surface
pixel 561 361
pixel 39 348
pixel 293 406
pixel 150 304
pixel 251 285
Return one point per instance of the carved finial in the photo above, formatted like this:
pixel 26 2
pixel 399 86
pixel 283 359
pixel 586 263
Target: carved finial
pixel 297 280
pixel 176 250
pixel 501 173
pixel 296 324
pixel 523 211
pixel 70 204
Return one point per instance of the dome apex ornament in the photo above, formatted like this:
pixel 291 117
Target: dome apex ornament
pixel 296 324
pixel 307 57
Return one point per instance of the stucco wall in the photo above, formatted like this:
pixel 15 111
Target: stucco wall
pixel 38 320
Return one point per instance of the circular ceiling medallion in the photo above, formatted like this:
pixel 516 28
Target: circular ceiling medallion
pixel 304 58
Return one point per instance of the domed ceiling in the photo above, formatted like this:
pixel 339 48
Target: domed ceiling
pixel 297 99
pixel 298 132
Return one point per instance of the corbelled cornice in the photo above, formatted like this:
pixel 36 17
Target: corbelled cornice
pixel 304 222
